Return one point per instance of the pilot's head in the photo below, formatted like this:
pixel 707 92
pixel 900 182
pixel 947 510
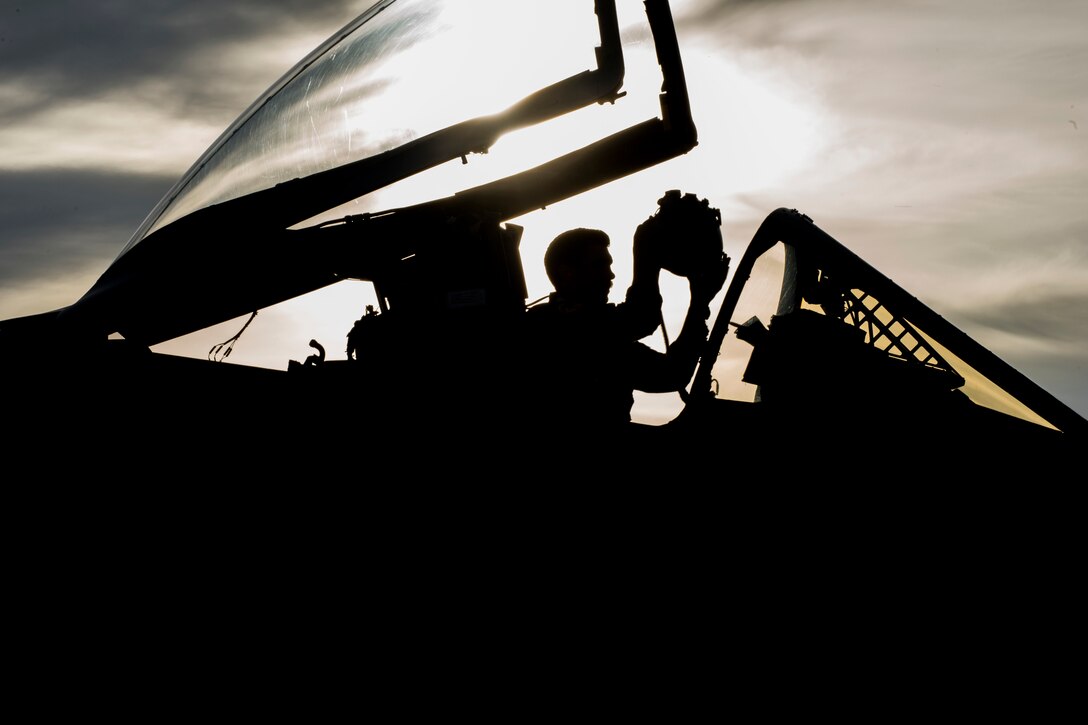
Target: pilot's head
pixel 579 266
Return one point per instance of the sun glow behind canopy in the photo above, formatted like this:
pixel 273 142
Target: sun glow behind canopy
pixel 401 71
pixel 407 74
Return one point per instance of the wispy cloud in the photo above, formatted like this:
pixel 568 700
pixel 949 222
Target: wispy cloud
pixel 74 49
pixel 103 108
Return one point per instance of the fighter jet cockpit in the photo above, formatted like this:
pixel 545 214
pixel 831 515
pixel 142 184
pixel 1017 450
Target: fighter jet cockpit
pixel 371 229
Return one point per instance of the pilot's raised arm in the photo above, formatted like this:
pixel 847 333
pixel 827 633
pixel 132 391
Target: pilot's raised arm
pixel 584 358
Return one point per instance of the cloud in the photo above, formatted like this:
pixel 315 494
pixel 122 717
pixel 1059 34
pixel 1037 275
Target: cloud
pixel 73 47
pixel 58 222
pixel 981 61
pixel 79 50
pixel 102 109
pixel 1053 316
pixel 1041 330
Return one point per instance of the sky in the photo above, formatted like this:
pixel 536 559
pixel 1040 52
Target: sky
pixel 945 142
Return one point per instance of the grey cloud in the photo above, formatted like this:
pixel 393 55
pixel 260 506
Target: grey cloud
pixel 760 24
pixel 1060 375
pixel 53 222
pixel 74 48
pixel 1037 226
pixel 1058 321
pixel 1060 317
pixel 976 61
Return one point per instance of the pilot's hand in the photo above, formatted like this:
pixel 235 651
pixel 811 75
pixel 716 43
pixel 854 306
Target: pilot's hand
pixel 645 248
pixel 706 282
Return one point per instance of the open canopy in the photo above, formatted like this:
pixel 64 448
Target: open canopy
pixel 391 112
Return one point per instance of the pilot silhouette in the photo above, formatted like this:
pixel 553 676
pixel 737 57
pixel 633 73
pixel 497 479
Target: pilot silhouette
pixel 585 354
